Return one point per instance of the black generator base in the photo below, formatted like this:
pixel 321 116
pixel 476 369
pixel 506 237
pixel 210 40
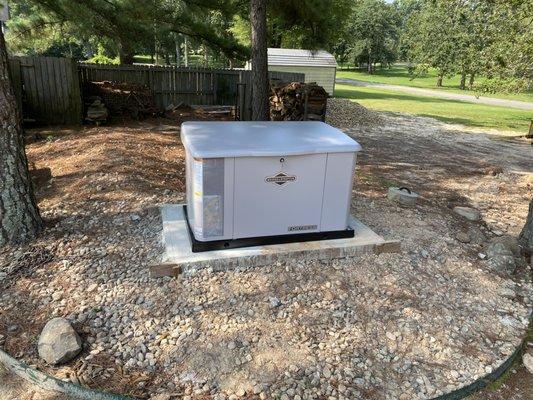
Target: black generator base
pixel 199 246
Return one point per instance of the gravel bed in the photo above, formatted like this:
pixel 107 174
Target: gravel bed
pixel 404 326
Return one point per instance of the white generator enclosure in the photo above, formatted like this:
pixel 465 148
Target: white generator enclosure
pixel 266 180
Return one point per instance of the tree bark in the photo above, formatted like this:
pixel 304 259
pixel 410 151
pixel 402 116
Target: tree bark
pixel 471 81
pixel 186 52
pixel 260 103
pixel 526 236
pixel 439 81
pixel 462 84
pixel 178 51
pixel 125 54
pixel 19 215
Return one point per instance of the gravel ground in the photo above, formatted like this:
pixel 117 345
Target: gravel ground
pixel 395 326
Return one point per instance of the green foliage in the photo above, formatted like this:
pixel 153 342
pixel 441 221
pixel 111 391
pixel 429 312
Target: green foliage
pixel 492 38
pixel 371 34
pixel 102 58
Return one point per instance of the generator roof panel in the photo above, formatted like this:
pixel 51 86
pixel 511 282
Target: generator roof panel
pixel 263 138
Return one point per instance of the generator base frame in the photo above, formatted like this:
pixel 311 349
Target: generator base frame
pixel 199 246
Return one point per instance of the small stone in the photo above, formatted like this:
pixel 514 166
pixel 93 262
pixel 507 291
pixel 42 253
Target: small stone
pixel 326 372
pixel 240 392
pixel 12 328
pixel 469 213
pixel 462 237
pixel 482 256
pixel 274 302
pixel 232 345
pixel 391 336
pixel 58 342
pixel 135 217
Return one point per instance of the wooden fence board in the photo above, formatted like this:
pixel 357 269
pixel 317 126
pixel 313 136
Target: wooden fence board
pixel 49 89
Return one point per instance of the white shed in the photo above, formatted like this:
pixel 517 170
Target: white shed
pixel 318 66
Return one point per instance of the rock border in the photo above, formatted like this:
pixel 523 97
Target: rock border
pixel 47 382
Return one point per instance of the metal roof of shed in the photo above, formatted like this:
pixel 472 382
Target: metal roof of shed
pixel 300 57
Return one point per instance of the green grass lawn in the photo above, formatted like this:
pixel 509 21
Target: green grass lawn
pixel 399 75
pixel 452 111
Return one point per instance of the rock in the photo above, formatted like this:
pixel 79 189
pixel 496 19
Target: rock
pixel 476 236
pixel 402 196
pixel 58 342
pixel 274 302
pixel 135 217
pixel 469 213
pixel 462 237
pixel 509 242
pixel 527 359
pixel 500 258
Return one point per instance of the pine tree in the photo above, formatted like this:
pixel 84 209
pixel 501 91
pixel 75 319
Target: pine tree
pixel 19 215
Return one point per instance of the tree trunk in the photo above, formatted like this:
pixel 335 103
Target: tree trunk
pixel 186 52
pixel 260 103
pixel 526 236
pixel 462 84
pixel 19 215
pixel 471 81
pixel 439 81
pixel 369 65
pixel 125 54
pixel 178 52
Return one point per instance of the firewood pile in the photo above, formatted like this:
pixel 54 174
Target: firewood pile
pixel 297 101
pixel 124 98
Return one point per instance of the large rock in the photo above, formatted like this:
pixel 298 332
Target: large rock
pixel 59 342
pixel 501 259
pixel 469 213
pixel 402 196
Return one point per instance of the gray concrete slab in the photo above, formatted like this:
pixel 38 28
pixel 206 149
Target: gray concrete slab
pixel 178 257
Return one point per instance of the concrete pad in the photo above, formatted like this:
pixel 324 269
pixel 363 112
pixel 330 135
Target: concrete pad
pixel 178 257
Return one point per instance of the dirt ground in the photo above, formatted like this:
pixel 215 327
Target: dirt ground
pixel 108 167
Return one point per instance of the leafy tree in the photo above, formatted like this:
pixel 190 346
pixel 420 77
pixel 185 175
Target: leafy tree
pixel 372 33
pixel 492 38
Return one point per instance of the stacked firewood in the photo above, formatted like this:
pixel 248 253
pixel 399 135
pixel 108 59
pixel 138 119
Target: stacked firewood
pixel 123 98
pixel 297 101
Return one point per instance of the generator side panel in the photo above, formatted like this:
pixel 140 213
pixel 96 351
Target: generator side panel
pixel 210 216
pixel 340 169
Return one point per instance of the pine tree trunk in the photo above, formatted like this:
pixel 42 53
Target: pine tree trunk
pixel 526 236
pixel 19 215
pixel 462 85
pixel 125 54
pixel 260 102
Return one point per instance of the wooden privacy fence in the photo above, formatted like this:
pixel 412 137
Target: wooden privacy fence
pixel 50 89
pixel 47 89
pixel 173 85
